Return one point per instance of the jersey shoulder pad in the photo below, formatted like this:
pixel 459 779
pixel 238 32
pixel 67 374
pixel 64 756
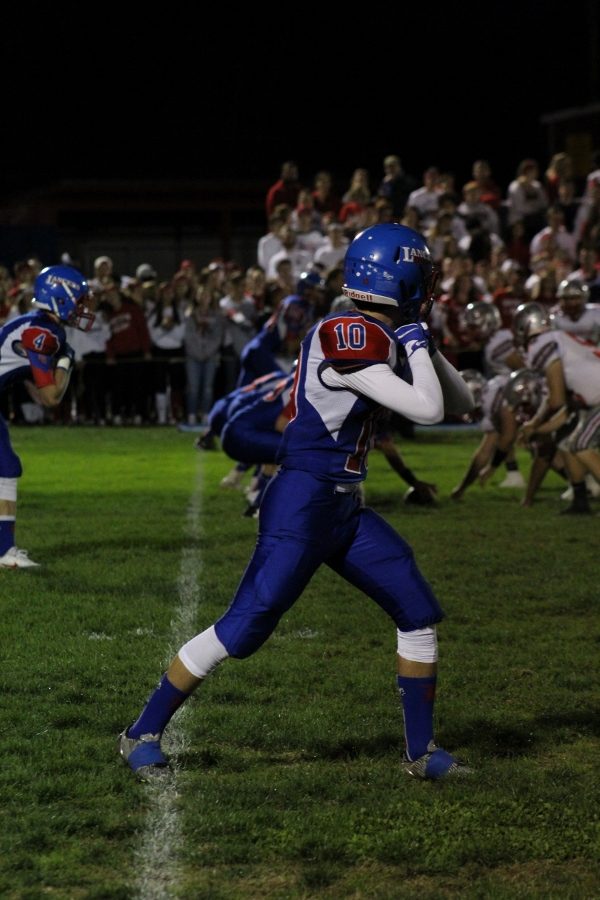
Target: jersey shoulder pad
pixel 40 340
pixel 543 350
pixel 348 338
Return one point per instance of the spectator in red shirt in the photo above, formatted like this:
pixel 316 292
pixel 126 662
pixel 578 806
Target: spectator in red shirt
pixel 489 192
pixel 285 190
pixel 128 353
pixel 325 201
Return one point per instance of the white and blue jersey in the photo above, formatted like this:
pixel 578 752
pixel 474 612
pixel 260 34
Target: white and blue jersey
pixel 311 512
pixel 332 428
pixel 29 345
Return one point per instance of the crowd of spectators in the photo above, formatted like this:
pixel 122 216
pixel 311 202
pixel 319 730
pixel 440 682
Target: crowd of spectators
pixel 162 350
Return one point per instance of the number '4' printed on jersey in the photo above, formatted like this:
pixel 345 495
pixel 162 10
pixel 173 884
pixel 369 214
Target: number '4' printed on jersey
pixel 40 340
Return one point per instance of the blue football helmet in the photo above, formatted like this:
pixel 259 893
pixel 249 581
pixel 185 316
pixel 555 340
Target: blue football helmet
pixel 310 279
pixel 390 265
pixel 62 290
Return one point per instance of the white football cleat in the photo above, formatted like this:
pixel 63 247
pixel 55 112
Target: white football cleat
pixel 513 480
pixel 16 559
pixel 233 479
pixel 593 488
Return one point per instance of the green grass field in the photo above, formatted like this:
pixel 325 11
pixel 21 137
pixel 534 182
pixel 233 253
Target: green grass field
pixel 288 783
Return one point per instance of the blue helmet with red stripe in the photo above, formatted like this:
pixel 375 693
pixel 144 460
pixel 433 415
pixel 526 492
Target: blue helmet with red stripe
pixel 390 265
pixel 62 290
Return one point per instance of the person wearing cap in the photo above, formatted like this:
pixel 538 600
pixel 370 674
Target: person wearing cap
pixel 103 271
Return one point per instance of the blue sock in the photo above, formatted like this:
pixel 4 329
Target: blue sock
pixel 7 533
pixel 162 704
pixel 418 697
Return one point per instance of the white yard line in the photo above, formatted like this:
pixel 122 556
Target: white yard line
pixel 156 859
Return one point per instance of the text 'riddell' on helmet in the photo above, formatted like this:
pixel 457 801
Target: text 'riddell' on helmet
pixel 61 290
pixel 390 265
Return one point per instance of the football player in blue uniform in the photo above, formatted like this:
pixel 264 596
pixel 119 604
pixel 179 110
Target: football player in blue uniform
pixel 252 435
pixel 276 345
pixel 312 514
pixel 224 409
pixel 34 349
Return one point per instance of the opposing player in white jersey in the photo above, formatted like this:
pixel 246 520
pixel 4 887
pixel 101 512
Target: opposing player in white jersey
pixel 34 349
pixel 574 313
pixel 571 367
pixel 312 514
pixel 500 353
pixel 505 401
pixel 500 357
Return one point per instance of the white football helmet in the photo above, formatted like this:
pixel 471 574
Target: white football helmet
pixel 476 383
pixel 484 318
pixel 572 297
pixel 524 392
pixel 530 319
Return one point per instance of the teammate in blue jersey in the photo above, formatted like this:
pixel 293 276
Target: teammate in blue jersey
pixel 252 436
pixel 34 349
pixel 312 514
pixel 224 409
pixel 276 345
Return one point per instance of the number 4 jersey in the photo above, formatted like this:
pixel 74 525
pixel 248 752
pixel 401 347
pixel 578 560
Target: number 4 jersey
pixel 331 428
pixel 28 347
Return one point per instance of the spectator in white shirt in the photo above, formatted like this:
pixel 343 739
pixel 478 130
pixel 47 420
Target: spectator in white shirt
pixel 554 236
pixel 270 243
pixel 333 250
pixel 426 199
pixel 300 259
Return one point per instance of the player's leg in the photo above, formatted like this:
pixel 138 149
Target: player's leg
pixel 281 566
pixel 513 477
pixel 581 457
pixel 382 564
pixel 11 557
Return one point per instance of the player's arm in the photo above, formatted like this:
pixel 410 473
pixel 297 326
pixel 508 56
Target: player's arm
pixel 51 365
pixel 50 395
pixel 558 411
pixel 506 438
pixel 357 355
pixel 458 399
pixel 422 402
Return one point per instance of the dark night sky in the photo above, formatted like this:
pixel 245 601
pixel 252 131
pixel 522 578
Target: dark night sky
pixel 190 99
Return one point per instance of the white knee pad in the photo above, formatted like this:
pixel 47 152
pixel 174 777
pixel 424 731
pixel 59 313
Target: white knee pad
pixel 8 489
pixel 419 645
pixel 203 653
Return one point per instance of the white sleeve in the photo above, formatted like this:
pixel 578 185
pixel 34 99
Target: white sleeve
pixel 422 402
pixel 458 399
